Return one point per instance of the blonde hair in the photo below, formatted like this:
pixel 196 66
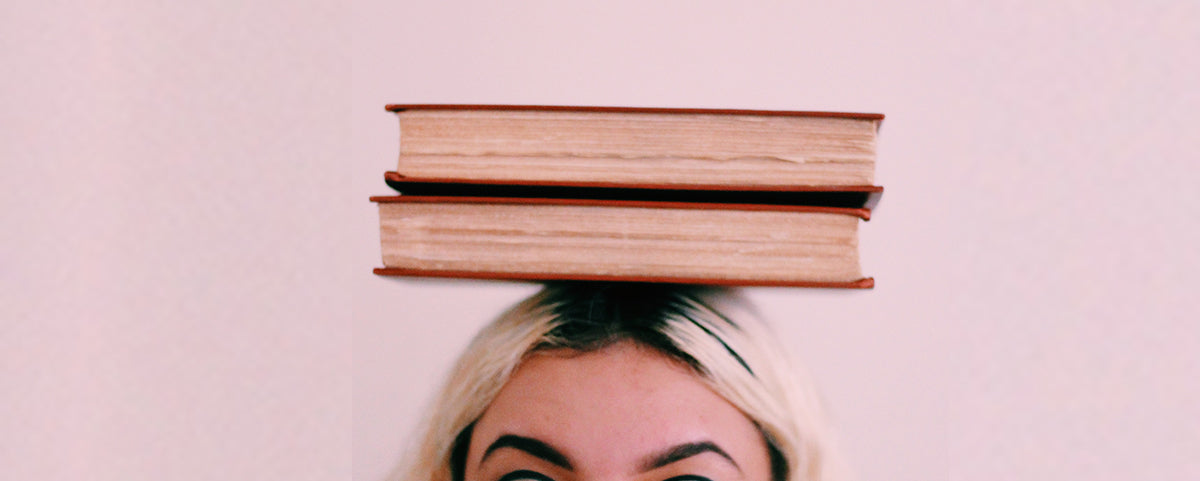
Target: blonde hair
pixel 738 359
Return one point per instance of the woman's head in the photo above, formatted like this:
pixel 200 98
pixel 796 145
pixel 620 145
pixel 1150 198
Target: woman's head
pixel 605 377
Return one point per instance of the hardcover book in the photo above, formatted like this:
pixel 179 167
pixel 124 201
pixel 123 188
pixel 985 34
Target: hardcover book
pixel 644 241
pixel 636 146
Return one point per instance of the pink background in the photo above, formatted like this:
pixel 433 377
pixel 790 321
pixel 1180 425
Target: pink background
pixel 185 287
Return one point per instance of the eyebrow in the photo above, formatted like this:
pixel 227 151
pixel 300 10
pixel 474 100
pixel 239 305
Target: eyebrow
pixel 533 447
pixel 684 451
pixel 545 452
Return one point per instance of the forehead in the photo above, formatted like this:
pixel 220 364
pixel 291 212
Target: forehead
pixel 608 409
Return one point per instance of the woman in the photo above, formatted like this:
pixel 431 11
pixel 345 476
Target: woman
pixel 630 382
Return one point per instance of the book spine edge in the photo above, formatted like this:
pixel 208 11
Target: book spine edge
pixel 863 283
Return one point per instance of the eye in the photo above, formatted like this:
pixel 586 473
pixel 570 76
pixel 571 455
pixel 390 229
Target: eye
pixel 688 477
pixel 527 475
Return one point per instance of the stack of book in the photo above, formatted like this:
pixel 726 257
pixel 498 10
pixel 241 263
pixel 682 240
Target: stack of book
pixel 695 196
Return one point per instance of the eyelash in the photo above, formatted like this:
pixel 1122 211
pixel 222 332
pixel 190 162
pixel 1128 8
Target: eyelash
pixel 526 474
pixel 536 476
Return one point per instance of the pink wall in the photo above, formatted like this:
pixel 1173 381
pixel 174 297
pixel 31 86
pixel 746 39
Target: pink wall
pixel 174 300
pixel 188 246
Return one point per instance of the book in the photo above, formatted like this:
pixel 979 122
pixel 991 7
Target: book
pixel 694 242
pixel 646 147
